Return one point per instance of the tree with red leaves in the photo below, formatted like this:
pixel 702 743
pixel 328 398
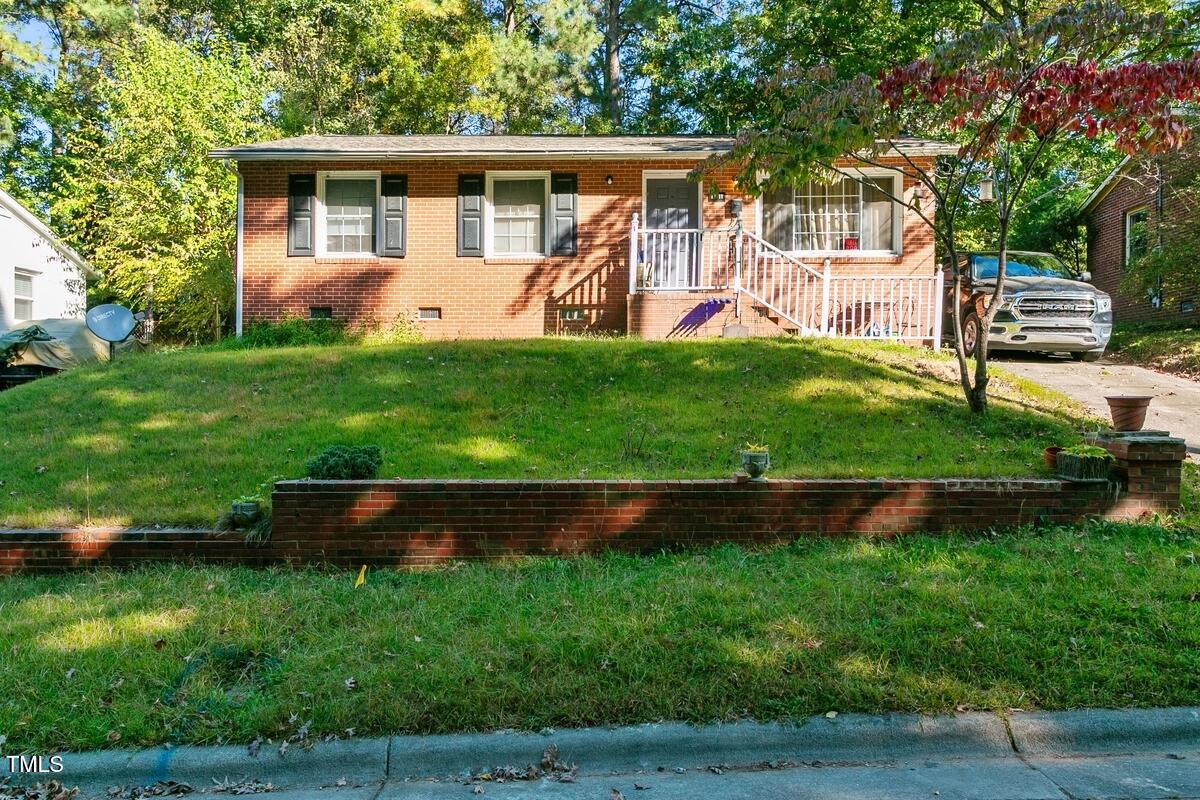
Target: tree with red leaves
pixel 1007 93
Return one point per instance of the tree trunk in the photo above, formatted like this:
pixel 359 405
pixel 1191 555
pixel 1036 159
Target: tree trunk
pixel 612 62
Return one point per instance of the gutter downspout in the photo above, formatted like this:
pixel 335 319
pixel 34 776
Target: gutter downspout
pixel 237 259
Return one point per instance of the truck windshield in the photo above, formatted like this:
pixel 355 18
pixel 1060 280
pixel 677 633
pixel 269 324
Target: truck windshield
pixel 1021 265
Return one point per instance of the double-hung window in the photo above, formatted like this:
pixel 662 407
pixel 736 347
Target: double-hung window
pixel 518 204
pixel 350 205
pixel 22 296
pixel 1137 234
pixel 849 214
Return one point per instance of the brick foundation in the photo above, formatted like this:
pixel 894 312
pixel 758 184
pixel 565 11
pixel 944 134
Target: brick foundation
pixel 415 522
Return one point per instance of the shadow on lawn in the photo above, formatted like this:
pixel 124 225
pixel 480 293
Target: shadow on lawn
pixel 721 634
pixel 172 438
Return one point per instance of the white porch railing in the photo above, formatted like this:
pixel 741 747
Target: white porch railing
pixel 810 301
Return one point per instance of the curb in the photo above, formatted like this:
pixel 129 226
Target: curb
pixel 1106 731
pixel 845 740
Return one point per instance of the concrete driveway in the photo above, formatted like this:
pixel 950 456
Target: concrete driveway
pixel 1176 406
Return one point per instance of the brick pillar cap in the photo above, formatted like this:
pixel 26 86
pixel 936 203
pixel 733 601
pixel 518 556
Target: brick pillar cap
pixel 1135 437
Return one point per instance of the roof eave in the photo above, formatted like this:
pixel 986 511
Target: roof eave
pixel 237 154
pixel 1105 186
pixel 41 229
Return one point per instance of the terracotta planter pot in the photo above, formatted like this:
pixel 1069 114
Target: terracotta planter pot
pixel 1050 456
pixel 1128 411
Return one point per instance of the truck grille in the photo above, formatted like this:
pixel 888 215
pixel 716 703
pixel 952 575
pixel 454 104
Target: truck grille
pixel 1058 308
pixel 1061 329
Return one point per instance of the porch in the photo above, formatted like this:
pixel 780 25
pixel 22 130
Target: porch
pixel 730 281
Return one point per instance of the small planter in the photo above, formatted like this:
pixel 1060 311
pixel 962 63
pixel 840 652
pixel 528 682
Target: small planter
pixel 755 463
pixel 1050 456
pixel 1084 469
pixel 245 513
pixel 1128 411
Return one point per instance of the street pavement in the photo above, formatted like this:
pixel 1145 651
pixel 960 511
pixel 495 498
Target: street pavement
pixel 1076 755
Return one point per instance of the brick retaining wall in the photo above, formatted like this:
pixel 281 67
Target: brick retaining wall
pixel 414 522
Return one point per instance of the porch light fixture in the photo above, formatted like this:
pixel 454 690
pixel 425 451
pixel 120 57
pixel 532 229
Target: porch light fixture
pixel 608 179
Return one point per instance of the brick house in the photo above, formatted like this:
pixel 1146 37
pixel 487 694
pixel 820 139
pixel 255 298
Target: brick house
pixel 517 236
pixel 1120 215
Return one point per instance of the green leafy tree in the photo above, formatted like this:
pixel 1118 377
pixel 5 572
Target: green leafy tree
pixel 1008 93
pixel 47 91
pixel 542 49
pixel 141 198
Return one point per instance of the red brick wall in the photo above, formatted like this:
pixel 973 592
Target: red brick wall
pixel 393 523
pixel 493 297
pixel 1136 186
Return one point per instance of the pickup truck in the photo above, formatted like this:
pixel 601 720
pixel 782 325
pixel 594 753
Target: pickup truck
pixel 1045 308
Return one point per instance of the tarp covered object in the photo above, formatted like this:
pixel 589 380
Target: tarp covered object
pixel 70 344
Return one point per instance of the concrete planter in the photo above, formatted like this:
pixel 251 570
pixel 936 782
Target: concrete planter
pixel 756 463
pixel 1072 467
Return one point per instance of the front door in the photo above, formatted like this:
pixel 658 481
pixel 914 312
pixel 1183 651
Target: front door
pixel 672 235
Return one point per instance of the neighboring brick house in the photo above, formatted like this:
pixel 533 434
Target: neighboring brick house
pixel 1121 215
pixel 502 236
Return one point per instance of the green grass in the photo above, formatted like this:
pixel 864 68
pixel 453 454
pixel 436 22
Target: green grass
pixel 1166 349
pixel 1100 616
pixel 172 438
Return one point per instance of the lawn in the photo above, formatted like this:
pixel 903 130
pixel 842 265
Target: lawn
pixel 1166 349
pixel 173 437
pixel 1103 615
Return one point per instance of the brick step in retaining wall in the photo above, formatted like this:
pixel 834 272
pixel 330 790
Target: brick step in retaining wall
pixel 415 522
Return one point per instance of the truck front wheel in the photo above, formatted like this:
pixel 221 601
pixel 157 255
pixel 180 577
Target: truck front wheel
pixel 1087 355
pixel 970 332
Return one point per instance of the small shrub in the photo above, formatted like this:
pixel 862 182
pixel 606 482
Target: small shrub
pixel 1088 451
pixel 346 463
pixel 403 329
pixel 291 332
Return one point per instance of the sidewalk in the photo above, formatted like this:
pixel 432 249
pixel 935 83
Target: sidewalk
pixel 1028 756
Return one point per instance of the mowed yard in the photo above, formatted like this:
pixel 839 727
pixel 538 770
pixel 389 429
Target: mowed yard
pixel 173 437
pixel 1101 615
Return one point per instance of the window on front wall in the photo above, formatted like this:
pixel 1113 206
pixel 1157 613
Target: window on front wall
pixel 846 215
pixel 518 216
pixel 1137 234
pixel 22 296
pixel 350 205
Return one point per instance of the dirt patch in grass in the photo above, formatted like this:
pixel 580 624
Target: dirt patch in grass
pixel 1174 350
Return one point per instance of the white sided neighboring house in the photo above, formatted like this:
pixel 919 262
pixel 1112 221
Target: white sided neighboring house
pixel 40 277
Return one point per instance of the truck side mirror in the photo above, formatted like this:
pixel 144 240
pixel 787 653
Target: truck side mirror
pixel 1085 276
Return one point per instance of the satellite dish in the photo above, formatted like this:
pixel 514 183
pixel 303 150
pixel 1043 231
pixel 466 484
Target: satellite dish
pixel 111 322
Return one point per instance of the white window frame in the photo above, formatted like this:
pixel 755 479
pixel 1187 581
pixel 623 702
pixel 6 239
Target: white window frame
pixel 898 210
pixel 489 211
pixel 1128 226
pixel 32 274
pixel 321 250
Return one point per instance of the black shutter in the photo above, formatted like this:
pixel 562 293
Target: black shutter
pixel 470 215
pixel 301 189
pixel 394 189
pixel 564 202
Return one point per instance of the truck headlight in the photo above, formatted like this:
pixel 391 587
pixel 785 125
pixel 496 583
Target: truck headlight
pixel 1006 304
pixel 1104 303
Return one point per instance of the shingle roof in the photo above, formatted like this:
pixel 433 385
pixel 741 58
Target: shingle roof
pixel 533 146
